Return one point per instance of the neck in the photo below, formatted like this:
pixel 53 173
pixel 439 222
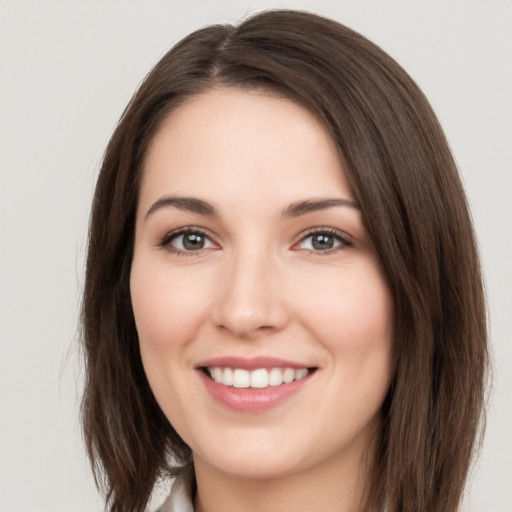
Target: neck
pixel 329 487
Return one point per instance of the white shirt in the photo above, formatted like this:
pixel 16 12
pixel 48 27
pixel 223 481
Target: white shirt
pixel 180 499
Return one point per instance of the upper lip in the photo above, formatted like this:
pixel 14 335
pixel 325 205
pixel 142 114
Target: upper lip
pixel 252 363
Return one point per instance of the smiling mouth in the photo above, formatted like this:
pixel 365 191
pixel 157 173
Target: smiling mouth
pixel 259 378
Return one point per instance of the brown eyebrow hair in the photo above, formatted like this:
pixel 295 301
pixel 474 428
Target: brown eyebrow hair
pixel 312 205
pixel 191 204
pixel 295 209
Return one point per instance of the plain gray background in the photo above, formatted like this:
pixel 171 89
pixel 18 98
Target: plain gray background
pixel 68 68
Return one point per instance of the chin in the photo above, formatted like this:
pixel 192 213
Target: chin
pixel 251 467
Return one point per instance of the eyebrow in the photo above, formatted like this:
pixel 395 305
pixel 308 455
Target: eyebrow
pixel 313 205
pixel 190 204
pixel 295 209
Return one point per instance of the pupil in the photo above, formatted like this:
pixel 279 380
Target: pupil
pixel 193 241
pixel 323 242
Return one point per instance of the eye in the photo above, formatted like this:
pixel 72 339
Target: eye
pixel 323 241
pixel 187 241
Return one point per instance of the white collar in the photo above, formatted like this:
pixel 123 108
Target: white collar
pixel 180 499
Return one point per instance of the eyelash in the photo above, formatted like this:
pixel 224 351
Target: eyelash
pixel 340 237
pixel 165 242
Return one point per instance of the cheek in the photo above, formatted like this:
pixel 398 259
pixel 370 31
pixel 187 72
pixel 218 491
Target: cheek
pixel 355 306
pixel 351 315
pixel 169 309
pixel 167 305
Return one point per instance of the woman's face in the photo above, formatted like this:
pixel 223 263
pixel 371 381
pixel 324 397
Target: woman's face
pixel 264 317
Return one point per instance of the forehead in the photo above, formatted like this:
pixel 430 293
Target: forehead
pixel 244 143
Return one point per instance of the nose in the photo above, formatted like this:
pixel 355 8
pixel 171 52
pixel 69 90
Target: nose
pixel 250 301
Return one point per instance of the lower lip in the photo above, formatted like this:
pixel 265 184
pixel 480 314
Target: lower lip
pixel 252 399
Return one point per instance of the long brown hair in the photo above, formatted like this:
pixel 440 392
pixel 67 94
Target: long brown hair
pixel 405 179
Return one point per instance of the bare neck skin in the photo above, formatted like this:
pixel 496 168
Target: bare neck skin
pixel 336 485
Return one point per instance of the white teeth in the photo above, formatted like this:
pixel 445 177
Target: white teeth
pixel 300 374
pixel 275 377
pixel 241 378
pixel 260 378
pixel 227 377
pixel 288 375
pixel 217 375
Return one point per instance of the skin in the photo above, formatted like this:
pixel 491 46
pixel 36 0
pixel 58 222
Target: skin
pixel 259 288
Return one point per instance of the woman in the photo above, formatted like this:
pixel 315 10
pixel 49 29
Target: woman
pixel 283 304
